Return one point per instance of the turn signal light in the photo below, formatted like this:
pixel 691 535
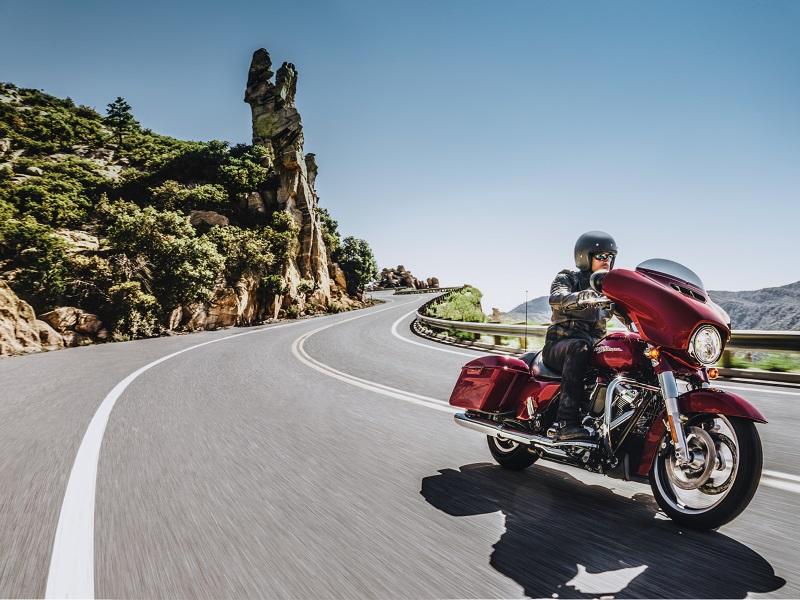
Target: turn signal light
pixel 712 373
pixel 652 353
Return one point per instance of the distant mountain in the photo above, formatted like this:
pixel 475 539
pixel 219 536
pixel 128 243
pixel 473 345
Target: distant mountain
pixel 768 308
pixel 538 312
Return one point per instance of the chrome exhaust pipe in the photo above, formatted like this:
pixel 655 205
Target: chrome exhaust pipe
pixel 497 430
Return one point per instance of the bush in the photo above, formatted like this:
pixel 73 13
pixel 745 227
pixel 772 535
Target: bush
pixel 37 259
pixel 245 251
pixel 87 282
pixel 779 363
pixel 185 268
pixel 305 286
pixel 460 305
pixel 51 199
pixel 172 195
pixel 134 313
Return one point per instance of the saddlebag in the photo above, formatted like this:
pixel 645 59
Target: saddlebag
pixel 487 383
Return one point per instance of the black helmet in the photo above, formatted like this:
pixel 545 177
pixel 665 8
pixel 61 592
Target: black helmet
pixel 590 243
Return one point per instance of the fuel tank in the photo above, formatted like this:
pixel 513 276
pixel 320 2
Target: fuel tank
pixel 621 352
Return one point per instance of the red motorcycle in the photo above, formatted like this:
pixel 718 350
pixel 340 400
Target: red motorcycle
pixel 652 410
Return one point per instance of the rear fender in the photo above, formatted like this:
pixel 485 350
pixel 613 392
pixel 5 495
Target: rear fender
pixel 708 400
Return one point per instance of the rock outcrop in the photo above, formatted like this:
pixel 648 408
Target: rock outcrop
pixel 76 327
pixel 278 128
pixel 19 332
pixel 400 277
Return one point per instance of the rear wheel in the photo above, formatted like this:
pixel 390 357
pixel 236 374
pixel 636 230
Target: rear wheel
pixel 720 481
pixel 509 454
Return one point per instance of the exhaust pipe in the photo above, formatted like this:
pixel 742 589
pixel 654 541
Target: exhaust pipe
pixel 496 430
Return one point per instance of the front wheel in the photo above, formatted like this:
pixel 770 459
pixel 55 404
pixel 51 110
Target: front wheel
pixel 721 479
pixel 511 455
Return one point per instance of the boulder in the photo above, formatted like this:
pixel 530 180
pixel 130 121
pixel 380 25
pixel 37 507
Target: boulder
pixel 88 324
pixel 175 318
pixel 62 319
pixel 195 316
pixel 208 217
pixel 19 333
pixel 33 171
pixel 5 146
pixel 338 276
pixel 224 309
pixel 255 204
pixel 72 339
pixel 78 241
pixel 49 337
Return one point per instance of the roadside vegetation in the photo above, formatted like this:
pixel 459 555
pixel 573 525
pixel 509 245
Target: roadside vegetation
pixel 67 172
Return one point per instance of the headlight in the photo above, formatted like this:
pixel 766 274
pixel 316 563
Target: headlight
pixel 706 345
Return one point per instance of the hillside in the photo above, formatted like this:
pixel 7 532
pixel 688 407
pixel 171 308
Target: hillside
pixel 776 308
pixel 150 234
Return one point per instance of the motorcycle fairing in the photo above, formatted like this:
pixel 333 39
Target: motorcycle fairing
pixel 708 400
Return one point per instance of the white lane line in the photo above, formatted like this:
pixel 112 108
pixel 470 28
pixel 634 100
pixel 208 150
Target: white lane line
pixel 780 484
pixel 71 573
pixel 761 390
pixel 779 475
pixel 300 354
pixel 396 334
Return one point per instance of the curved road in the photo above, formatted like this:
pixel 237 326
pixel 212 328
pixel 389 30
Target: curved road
pixel 319 459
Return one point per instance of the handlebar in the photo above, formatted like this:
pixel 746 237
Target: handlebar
pixel 599 302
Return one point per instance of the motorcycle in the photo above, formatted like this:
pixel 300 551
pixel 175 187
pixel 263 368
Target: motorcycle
pixel 652 413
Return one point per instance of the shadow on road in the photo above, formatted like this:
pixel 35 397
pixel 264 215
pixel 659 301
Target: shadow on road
pixel 567 538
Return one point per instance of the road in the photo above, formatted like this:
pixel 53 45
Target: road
pixel 319 459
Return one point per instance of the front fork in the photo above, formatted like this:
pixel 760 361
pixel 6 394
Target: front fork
pixel 669 391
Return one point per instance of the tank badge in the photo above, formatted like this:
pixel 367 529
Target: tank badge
pixel 607 349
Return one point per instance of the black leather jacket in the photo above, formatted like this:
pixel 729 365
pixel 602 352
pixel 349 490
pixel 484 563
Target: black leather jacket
pixel 568 320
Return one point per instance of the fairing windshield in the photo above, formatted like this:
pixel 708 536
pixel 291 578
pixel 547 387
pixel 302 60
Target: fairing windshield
pixel 672 269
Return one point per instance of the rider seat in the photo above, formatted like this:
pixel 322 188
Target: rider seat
pixel 537 366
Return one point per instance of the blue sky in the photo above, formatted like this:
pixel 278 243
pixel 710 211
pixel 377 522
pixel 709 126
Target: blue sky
pixel 476 140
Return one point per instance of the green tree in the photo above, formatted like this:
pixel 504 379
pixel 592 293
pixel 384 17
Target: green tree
pixel 358 263
pixel 120 118
pixel 330 232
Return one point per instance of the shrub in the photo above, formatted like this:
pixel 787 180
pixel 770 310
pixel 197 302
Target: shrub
pixel 305 286
pixel 134 313
pixel 245 251
pixel 172 195
pixel 461 305
pixel 185 268
pixel 330 232
pixel 37 259
pixel 780 363
pixel 87 281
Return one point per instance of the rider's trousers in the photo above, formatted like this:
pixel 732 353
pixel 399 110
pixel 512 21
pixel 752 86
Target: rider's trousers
pixel 570 356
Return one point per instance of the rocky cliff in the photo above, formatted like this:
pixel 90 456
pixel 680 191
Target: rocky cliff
pixel 277 127
pixel 112 231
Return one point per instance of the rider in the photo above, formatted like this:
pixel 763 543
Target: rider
pixel 574 330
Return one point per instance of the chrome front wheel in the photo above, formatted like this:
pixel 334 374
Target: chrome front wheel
pixel 719 481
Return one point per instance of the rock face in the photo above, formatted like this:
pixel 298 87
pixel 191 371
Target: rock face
pixel 19 332
pixel 278 128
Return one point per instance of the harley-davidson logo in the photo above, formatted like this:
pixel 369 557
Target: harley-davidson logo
pixel 607 349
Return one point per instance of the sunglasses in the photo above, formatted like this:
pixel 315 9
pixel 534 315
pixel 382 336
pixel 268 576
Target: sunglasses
pixel 604 256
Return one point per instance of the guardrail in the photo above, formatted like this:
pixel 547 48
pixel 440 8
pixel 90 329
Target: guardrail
pixel 781 341
pixel 402 291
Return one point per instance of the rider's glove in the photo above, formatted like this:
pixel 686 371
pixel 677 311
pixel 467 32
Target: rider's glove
pixel 585 296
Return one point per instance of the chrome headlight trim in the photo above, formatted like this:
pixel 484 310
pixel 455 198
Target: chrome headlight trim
pixel 701 335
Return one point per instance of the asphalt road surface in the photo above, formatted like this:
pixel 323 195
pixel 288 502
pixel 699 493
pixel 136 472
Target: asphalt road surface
pixel 319 459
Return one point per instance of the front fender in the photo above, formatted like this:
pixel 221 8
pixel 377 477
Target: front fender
pixel 708 400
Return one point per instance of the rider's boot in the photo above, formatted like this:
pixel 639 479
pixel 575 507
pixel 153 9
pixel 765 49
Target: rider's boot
pixel 569 431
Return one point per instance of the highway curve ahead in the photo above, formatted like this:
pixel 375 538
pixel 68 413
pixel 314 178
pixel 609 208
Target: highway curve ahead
pixel 319 459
